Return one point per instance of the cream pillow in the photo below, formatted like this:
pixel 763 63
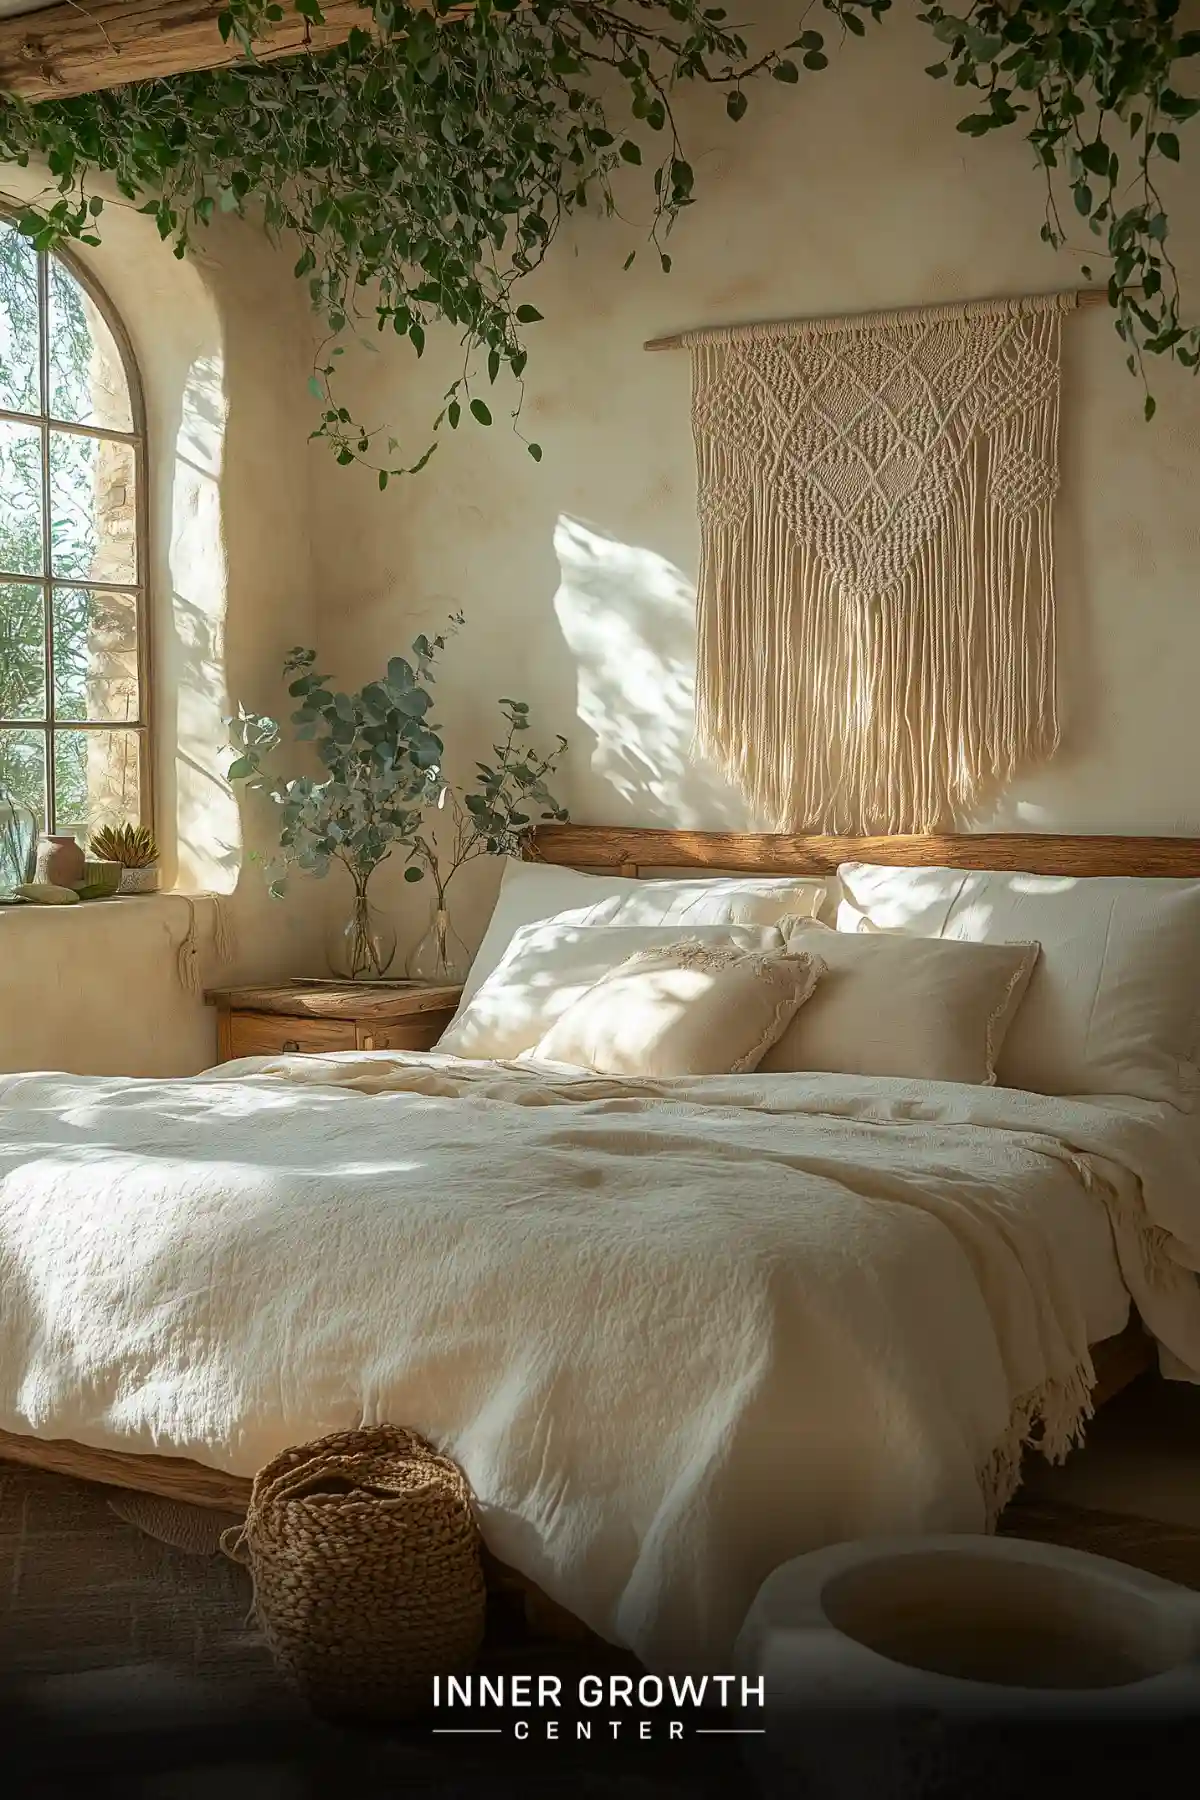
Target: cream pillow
pixel 919 1007
pixel 549 966
pixel 1114 1003
pixel 540 893
pixel 686 1009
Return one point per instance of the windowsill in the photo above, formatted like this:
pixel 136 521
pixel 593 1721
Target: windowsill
pixel 111 902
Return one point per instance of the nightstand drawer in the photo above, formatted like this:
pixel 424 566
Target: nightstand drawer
pixel 271 1034
pixel 420 1032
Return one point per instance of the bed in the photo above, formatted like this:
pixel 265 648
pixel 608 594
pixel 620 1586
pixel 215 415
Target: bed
pixel 609 1571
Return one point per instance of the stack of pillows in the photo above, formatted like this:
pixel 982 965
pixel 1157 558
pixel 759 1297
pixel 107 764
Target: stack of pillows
pixel 1067 986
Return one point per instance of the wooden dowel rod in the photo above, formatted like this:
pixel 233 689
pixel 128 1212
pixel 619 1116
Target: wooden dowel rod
pixel 1084 297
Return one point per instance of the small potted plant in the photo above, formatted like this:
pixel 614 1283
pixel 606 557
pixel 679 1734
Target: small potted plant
pixel 135 848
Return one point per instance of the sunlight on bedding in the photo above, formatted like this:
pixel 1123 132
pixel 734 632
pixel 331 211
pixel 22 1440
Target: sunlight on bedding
pixel 223 1294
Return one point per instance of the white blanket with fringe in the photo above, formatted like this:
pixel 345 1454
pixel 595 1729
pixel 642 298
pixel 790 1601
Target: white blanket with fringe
pixel 675 1333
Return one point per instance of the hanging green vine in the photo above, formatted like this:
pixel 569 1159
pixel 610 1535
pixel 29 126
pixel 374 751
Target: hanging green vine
pixel 425 166
pixel 1079 74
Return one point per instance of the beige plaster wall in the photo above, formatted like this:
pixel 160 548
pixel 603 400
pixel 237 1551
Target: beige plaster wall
pixel 853 191
pixel 577 575
pixel 222 343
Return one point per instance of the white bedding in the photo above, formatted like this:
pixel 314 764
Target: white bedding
pixel 675 1333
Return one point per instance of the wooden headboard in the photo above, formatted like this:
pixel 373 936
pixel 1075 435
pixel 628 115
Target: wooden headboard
pixel 629 850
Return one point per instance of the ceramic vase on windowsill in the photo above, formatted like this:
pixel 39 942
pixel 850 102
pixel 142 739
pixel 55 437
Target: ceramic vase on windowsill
pixel 362 945
pixel 440 958
pixel 60 861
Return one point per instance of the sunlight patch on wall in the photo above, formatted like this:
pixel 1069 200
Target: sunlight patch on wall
pixel 629 619
pixel 210 835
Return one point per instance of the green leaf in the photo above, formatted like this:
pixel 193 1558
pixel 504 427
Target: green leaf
pixel 413 873
pixel 535 450
pixel 1150 408
pixel 427 165
pixel 480 412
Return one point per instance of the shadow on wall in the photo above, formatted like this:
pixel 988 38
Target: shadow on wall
pixel 628 616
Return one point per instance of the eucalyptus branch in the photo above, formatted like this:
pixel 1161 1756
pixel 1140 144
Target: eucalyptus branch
pixel 493 817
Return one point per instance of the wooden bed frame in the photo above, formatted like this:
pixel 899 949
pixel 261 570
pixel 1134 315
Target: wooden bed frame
pixel 1118 1360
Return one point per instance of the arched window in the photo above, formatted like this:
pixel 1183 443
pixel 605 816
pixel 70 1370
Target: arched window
pixel 73 647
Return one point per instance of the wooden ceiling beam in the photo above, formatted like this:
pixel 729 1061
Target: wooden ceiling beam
pixel 90 44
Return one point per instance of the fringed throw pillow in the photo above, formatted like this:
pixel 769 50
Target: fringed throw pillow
pixel 685 1009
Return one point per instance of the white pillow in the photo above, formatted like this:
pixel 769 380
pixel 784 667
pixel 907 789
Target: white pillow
pixel 893 1004
pixel 1113 1005
pixel 687 1009
pixel 549 966
pixel 535 893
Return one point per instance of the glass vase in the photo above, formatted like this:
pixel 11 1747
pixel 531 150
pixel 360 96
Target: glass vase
pixel 362 947
pixel 19 831
pixel 441 957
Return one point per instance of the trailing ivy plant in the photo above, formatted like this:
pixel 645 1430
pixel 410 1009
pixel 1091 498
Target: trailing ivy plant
pixel 1092 83
pixel 425 166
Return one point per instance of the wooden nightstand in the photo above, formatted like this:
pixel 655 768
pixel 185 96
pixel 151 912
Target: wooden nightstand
pixel 270 1021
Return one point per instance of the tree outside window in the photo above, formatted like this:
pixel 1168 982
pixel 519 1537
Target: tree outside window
pixel 73 737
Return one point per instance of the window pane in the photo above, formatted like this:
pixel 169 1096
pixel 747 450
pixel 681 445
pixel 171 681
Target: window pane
pixel 96 780
pixel 19 384
pixel 23 768
pixel 95 656
pixel 20 499
pixel 87 376
pixel 22 651
pixel 93 509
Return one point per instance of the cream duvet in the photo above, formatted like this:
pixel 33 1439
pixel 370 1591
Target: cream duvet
pixel 674 1333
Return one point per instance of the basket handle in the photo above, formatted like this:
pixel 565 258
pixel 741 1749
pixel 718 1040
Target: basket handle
pixel 233 1543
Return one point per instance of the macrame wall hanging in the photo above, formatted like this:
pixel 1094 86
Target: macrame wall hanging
pixel 876 598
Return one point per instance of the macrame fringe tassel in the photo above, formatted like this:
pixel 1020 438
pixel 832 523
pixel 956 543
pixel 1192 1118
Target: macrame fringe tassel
pixel 188 958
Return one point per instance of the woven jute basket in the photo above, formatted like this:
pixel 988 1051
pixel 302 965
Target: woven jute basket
pixel 368 1578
